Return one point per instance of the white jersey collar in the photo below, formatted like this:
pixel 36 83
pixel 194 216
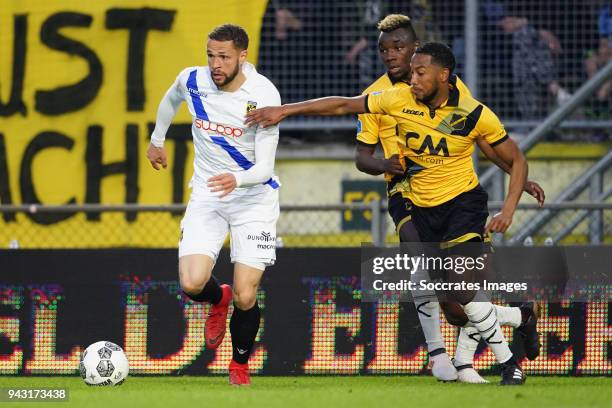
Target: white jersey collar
pixel 249 72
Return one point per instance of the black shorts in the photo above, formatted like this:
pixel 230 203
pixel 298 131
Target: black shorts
pixel 400 210
pixel 461 219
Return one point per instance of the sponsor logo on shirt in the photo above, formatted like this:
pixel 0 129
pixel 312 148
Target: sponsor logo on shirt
pixel 194 91
pixel 218 128
pixel 413 112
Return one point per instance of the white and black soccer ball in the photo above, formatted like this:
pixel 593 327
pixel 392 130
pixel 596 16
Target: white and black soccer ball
pixel 104 363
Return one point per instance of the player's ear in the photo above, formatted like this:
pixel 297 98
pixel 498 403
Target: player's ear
pixel 243 56
pixel 444 75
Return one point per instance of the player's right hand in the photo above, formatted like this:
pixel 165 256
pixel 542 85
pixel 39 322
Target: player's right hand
pixel 265 117
pixel 393 165
pixel 157 156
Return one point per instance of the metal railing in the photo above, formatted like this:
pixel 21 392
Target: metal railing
pixel 555 118
pixel 299 225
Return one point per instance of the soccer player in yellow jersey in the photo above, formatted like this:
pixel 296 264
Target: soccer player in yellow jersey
pixel 439 125
pixel 397 42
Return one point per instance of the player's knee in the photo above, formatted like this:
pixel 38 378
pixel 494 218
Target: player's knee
pixel 190 287
pixel 454 314
pixel 456 319
pixel 245 298
pixel 192 277
pixel 192 284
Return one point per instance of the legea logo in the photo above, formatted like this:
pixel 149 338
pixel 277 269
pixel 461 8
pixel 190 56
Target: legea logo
pixel 218 128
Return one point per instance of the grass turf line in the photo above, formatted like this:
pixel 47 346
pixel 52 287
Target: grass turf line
pixel 296 392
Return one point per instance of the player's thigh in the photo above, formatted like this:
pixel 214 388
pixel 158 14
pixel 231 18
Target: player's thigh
pixel 246 281
pixel 253 229
pixel 203 231
pixel 429 222
pixel 400 210
pixel 194 272
pixel 467 217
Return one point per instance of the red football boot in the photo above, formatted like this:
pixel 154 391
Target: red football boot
pixel 239 374
pixel 216 323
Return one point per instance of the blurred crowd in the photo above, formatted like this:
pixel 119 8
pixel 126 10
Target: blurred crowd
pixel 532 54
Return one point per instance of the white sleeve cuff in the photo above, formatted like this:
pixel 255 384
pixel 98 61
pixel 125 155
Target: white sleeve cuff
pixel 238 177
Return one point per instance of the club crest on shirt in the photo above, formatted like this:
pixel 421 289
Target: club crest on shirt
pixel 251 106
pixel 457 122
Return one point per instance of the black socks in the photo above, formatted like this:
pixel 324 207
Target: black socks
pixel 211 293
pixel 244 325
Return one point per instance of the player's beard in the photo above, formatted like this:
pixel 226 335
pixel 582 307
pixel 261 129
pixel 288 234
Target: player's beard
pixel 229 78
pixel 426 99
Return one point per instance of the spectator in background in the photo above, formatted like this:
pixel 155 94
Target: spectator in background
pixel 285 21
pixel 279 49
pixel 364 51
pixel 533 64
pixel 300 39
pixel 603 54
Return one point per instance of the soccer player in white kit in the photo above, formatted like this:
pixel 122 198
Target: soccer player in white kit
pixel 233 187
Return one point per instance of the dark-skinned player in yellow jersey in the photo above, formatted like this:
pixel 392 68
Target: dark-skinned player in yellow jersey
pixel 396 43
pixel 449 206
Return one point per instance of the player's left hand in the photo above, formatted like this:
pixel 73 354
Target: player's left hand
pixel 224 183
pixel 265 117
pixel 500 223
pixel 534 189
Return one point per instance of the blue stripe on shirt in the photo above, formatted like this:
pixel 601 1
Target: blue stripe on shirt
pixel 239 157
pixel 192 88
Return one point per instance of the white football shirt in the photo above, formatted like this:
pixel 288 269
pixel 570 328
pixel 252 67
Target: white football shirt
pixel 223 144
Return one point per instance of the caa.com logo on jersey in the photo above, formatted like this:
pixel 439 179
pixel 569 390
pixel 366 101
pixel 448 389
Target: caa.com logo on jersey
pixel 218 128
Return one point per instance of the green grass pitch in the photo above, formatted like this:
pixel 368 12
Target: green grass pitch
pixel 295 392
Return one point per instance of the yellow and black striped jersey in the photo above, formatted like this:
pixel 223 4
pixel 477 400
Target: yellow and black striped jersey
pixel 380 128
pixel 438 143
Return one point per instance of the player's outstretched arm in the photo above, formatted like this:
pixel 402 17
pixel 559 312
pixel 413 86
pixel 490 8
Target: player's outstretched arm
pixel 328 106
pixel 531 187
pixel 509 152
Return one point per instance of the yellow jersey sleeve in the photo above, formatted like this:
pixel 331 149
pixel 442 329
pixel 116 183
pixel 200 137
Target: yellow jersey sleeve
pixel 368 128
pixel 490 128
pixel 380 102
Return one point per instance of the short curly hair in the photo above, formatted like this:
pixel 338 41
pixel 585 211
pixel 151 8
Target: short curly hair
pixel 394 22
pixel 231 32
pixel 440 53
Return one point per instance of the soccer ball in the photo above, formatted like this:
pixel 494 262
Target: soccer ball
pixel 103 363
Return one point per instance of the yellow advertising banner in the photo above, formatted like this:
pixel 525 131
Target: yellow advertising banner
pixel 79 87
